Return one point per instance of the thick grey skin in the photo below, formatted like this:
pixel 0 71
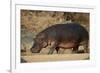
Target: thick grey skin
pixel 70 35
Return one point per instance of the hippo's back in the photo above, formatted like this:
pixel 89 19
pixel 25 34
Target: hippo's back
pixel 67 30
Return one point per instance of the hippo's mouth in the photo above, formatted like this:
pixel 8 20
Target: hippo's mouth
pixel 35 51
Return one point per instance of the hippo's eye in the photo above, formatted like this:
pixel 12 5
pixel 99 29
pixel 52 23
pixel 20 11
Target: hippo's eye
pixel 41 40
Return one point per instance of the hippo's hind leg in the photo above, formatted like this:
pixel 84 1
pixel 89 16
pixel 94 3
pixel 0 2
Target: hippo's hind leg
pixel 86 49
pixel 57 50
pixel 75 49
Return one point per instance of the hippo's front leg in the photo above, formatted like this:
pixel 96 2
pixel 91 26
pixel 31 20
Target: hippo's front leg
pixel 53 45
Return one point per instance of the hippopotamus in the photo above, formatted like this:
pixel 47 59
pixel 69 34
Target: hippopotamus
pixel 69 35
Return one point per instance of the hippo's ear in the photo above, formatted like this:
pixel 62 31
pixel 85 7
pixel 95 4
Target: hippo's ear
pixel 41 36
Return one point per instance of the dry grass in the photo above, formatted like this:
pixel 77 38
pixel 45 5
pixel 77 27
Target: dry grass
pixel 38 20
